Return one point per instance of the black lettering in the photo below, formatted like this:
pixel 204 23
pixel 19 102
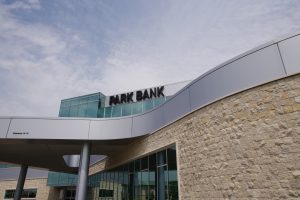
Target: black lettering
pixel 152 93
pixel 112 100
pixel 123 98
pixel 160 91
pixel 139 95
pixel 117 101
pixel 145 95
pixel 129 97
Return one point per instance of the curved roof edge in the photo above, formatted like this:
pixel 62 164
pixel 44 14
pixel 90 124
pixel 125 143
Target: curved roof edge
pixel 268 62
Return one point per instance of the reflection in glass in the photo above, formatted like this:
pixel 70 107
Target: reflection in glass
pixel 126 109
pixel 147 105
pixel 137 108
pixel 116 111
pixel 107 112
pixel 149 178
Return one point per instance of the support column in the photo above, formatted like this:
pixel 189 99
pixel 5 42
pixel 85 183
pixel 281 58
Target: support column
pixel 21 181
pixel 81 189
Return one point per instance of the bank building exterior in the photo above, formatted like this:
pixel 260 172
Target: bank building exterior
pixel 232 133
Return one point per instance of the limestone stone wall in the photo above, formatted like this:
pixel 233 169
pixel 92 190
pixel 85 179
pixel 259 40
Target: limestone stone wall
pixel 245 146
pixel 43 191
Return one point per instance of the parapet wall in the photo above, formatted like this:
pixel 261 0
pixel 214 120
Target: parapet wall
pixel 245 146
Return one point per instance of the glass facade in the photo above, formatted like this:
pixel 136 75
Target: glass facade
pixel 83 106
pixel 92 106
pixel 153 177
pixel 61 179
pixel 128 109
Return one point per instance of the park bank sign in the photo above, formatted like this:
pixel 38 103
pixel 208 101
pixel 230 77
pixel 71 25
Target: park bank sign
pixel 140 95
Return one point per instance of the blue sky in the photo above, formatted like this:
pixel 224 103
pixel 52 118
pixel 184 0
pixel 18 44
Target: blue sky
pixel 51 50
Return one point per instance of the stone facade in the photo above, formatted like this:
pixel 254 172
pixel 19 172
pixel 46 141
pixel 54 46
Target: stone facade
pixel 43 191
pixel 244 146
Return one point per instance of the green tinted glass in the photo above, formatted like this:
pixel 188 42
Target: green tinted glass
pixel 61 179
pixel 65 103
pixel 147 105
pixel 137 108
pixel 74 101
pixel 107 112
pixel 92 109
pixel 101 112
pixel 64 112
pixel 94 97
pixel 116 111
pixel 82 109
pixel 159 101
pixel 126 109
pixel 140 179
pixel 73 111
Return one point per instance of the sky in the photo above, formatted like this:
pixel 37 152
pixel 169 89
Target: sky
pixel 52 50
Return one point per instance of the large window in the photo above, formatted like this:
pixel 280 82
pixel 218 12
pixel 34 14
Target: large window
pixel 83 106
pixel 27 193
pixel 153 177
pixel 70 194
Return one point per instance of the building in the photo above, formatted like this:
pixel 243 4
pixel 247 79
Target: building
pixel 232 133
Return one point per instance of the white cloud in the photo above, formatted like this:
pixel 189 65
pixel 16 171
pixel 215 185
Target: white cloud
pixel 33 69
pixel 191 37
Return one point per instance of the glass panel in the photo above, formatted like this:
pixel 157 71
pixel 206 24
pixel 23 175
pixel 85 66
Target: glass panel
pixel 144 163
pixel 162 177
pixel 168 97
pixel 102 184
pixel 94 97
pixel 30 193
pixel 131 167
pixel 73 111
pixel 116 184
pixel 9 194
pixel 126 109
pixel 116 111
pixel 101 112
pixel 125 183
pixel 92 109
pixel 137 165
pixel 84 99
pixel 107 112
pixel 74 101
pixel 137 108
pixel 26 193
pixel 172 167
pixel 159 101
pixel 152 177
pixel 61 179
pixel 120 183
pixel 110 191
pixel 82 109
pixel 145 185
pixel 148 105
pixel 63 104
pixel 64 112
pixel 66 103
pixel 137 179
pixel 131 187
